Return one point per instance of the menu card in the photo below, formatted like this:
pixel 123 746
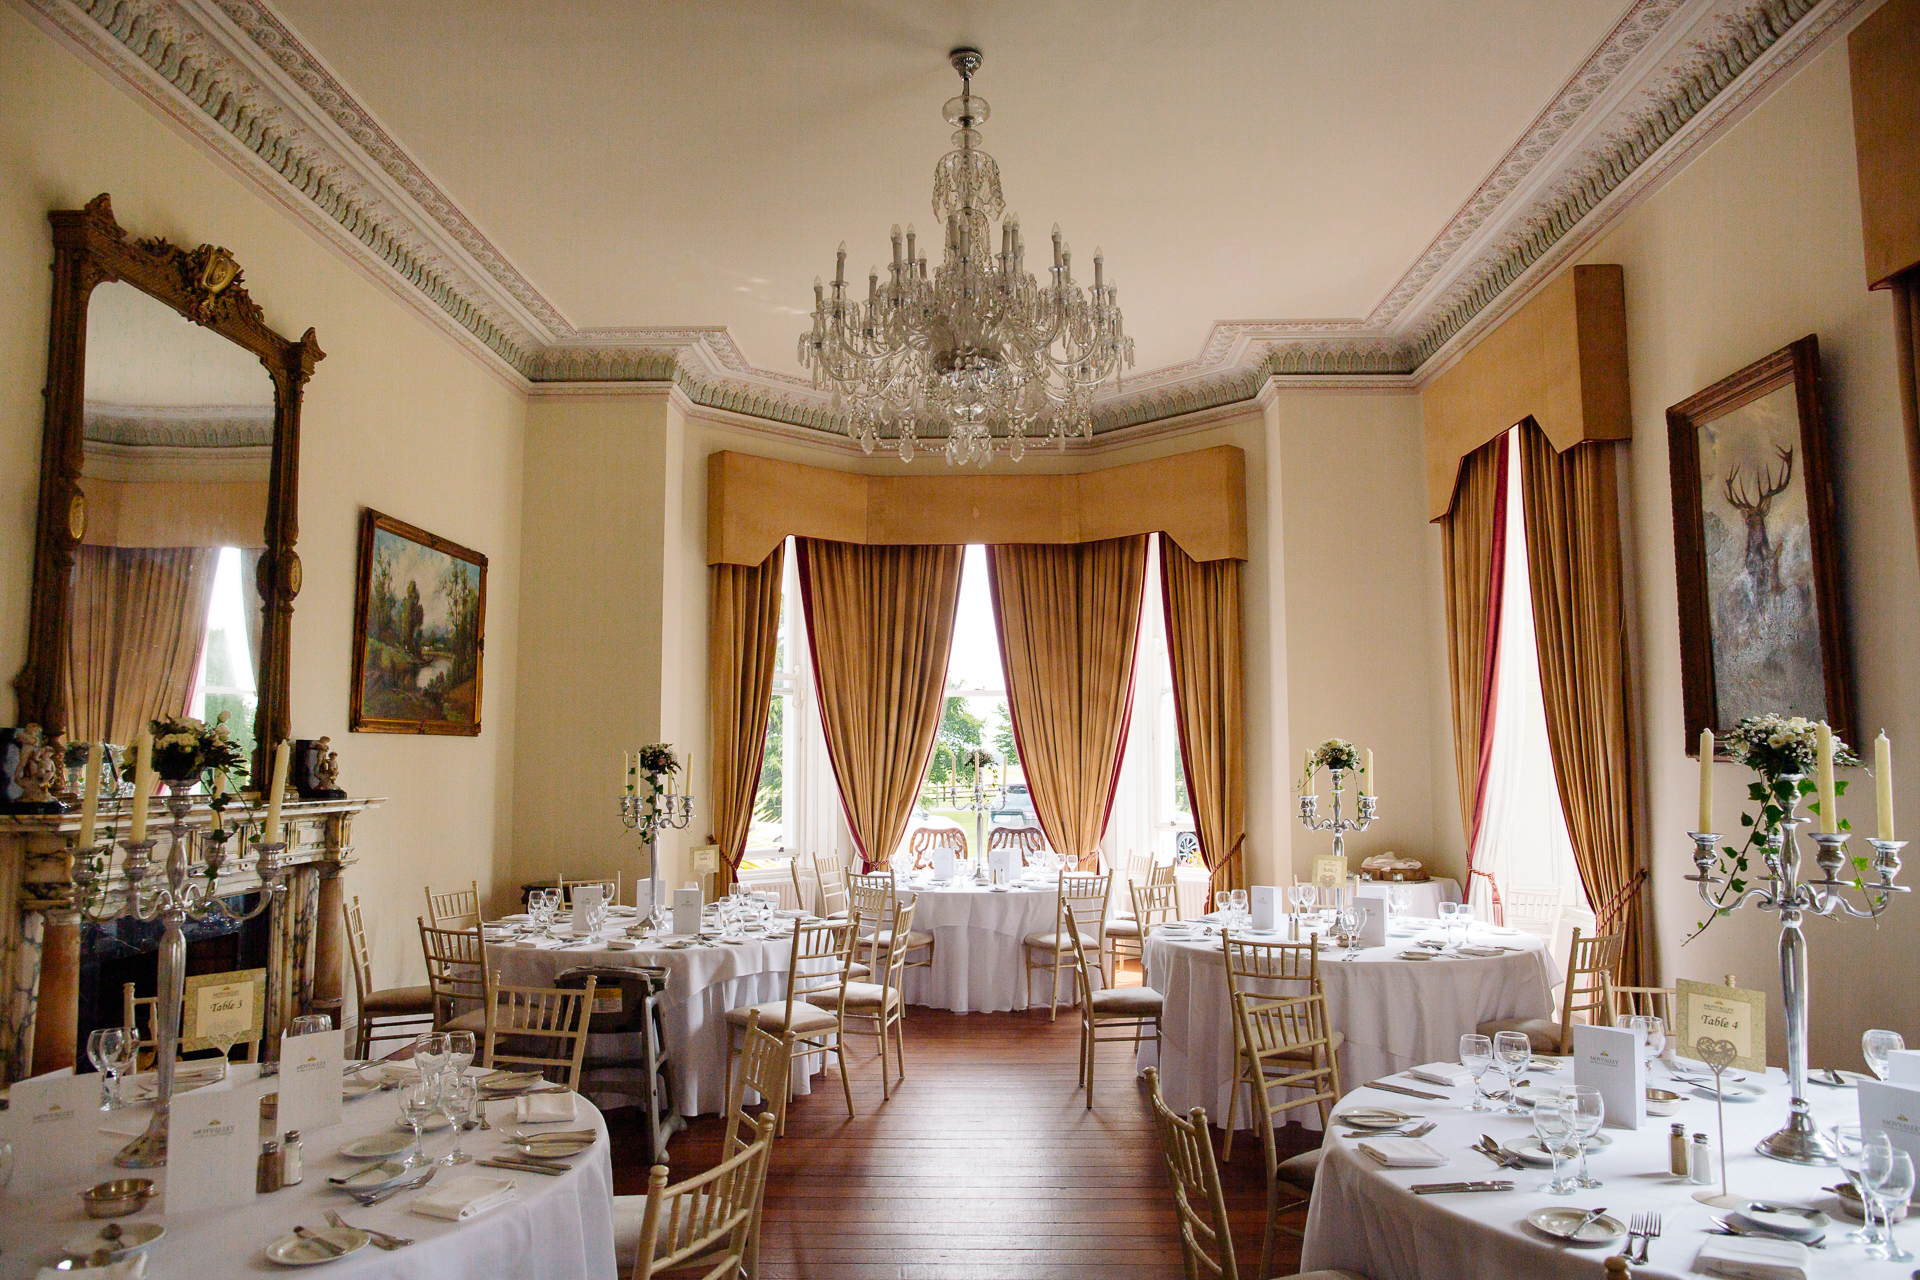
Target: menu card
pixel 1608 1058
pixel 1003 865
pixel 213 1146
pixel 1373 924
pixel 586 897
pixel 46 1118
pixel 310 1081
pixel 943 864
pixel 1262 902
pixel 1903 1066
pixel 1892 1109
pixel 686 911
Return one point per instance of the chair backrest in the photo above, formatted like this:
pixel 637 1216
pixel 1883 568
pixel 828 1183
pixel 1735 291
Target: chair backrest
pixel 457 969
pixel 1270 961
pixel 899 923
pixel 1154 904
pixel 829 874
pixel 925 840
pixel 1160 873
pixel 817 962
pixel 709 1216
pixel 1291 1039
pixel 763 1066
pixel 873 897
pixel 1199 1202
pixel 1592 963
pixel 1139 867
pixel 1535 909
pixel 1028 840
pixel 1085 897
pixel 359 959
pixel 609 886
pixel 1655 1002
pixel 519 1016
pixel 454 908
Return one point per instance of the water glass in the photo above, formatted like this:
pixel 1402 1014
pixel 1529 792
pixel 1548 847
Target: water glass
pixel 308 1024
pixel 460 1048
pixel 457 1096
pixel 1876 1045
pixel 419 1102
pixel 1890 1179
pixel 1850 1145
pixel 1400 900
pixel 1554 1125
pixel 1588 1111
pixel 430 1050
pixel 1476 1055
pixel 1350 926
pixel 110 1049
pixel 1513 1051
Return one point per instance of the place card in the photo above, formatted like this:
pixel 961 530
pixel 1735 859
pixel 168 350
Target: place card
pixel 1263 902
pixel 212 1147
pixel 44 1120
pixel 310 1081
pixel 1885 1107
pixel 686 911
pixel 943 864
pixel 586 899
pixel 1730 1014
pixel 1608 1058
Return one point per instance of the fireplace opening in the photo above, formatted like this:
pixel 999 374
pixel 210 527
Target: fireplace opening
pixel 117 952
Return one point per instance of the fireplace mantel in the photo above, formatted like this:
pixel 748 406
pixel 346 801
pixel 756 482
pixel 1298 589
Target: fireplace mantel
pixel 40 925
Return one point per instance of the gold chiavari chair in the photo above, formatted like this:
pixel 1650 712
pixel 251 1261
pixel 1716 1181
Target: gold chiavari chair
pixel 710 1220
pixel 1134 1009
pixel 519 1019
pixel 382 1012
pixel 1282 1043
pixel 1083 897
pixel 1652 1002
pixel 1592 963
pixel 454 908
pixel 457 974
pixel 874 895
pixel 1199 1201
pixel 816 971
pixel 830 880
pixel 1126 936
pixel 878 1006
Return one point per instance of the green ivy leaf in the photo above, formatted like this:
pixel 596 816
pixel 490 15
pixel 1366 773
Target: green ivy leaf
pixel 1845 825
pixel 1808 786
pixel 1737 885
pixel 1859 863
pixel 1746 819
pixel 1840 786
pixel 1814 807
pixel 1756 792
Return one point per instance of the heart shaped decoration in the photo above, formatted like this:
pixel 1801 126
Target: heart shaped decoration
pixel 1718 1054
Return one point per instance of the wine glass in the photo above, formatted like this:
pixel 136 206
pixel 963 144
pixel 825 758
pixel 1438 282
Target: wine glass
pixel 456 1095
pixel 1512 1050
pixel 419 1101
pixel 308 1024
pixel 105 1046
pixel 1554 1124
pixel 1891 1181
pixel 1350 926
pixel 1850 1145
pixel 1650 1037
pixel 1589 1111
pixel 1400 901
pixel 1876 1045
pixel 430 1049
pixel 1446 920
pixel 460 1048
pixel 1476 1055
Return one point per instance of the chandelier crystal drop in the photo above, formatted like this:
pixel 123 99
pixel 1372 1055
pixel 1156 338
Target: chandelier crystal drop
pixel 976 350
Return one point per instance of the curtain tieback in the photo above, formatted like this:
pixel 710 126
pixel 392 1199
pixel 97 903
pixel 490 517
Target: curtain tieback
pixel 1617 905
pixel 1493 887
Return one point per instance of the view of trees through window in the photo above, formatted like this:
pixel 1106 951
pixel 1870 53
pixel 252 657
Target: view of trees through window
pixel 225 681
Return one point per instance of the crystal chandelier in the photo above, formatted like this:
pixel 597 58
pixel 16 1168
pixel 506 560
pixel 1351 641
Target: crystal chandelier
pixel 977 350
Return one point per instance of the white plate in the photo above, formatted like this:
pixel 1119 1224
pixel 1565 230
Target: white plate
pixel 375 1176
pixel 1531 1150
pixel 292 1251
pixel 1558 1223
pixel 1372 1118
pixel 134 1236
pixel 377 1147
pixel 432 1124
pixel 357 1088
pixel 1801 1224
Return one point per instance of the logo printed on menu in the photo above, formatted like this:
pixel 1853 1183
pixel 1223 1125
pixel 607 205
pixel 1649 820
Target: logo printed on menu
pixel 54 1114
pixel 214 1129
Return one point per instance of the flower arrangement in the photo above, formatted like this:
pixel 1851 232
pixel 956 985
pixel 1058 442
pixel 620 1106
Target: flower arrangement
pixel 185 749
pixel 1776 746
pixel 656 762
pixel 1336 754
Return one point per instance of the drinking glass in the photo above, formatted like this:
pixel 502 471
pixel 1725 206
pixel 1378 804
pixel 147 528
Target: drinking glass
pixel 104 1047
pixel 430 1051
pixel 1400 901
pixel 6 1164
pixel 1876 1045
pixel 1554 1125
pixel 459 1051
pixel 1588 1111
pixel 1891 1181
pixel 1850 1145
pixel 308 1024
pixel 1512 1050
pixel 122 1060
pixel 1350 925
pixel 1649 1036
pixel 419 1101
pixel 456 1095
pixel 1476 1055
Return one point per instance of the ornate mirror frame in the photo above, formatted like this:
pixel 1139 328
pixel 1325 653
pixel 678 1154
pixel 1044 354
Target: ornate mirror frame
pixel 205 285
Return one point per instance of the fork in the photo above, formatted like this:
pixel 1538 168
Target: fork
pixel 385 1194
pixel 1418 1131
pixel 380 1238
pixel 1649 1232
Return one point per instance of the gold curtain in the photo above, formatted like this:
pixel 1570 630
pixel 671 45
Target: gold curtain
pixel 139 623
pixel 743 625
pixel 1068 618
pixel 1473 537
pixel 1906 354
pixel 880 623
pixel 1204 628
pixel 1573 558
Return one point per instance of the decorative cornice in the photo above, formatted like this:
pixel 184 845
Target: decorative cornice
pixel 214 426
pixel 1657 86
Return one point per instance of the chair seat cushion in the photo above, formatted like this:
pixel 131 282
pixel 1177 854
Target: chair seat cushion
pixel 1544 1033
pixel 807 1019
pixel 1128 1002
pixel 474 1020
pixel 1051 941
pixel 857 970
pixel 864 997
pixel 629 1216
pixel 884 938
pixel 1123 928
pixel 1300 1171
pixel 399 1000
pixel 1306 1055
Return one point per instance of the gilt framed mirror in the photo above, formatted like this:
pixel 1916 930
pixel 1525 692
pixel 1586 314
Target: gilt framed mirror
pixel 164 562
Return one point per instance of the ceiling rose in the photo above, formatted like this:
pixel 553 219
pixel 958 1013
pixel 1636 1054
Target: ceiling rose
pixel 977 351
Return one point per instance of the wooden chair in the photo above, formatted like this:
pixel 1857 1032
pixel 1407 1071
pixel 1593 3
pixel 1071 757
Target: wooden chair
pixel 830 878
pixel 874 896
pixel 1655 1002
pixel 381 1010
pixel 455 908
pixel 1028 840
pixel 1199 1202
pixel 1535 909
pixel 1134 1009
pixel 816 968
pixel 520 1018
pixel 133 1008
pixel 925 840
pixel 1153 904
pixel 609 886
pixel 878 1006
pixel 1592 964
pixel 1082 897
pixel 709 1221
pixel 1283 1042
pixel 457 974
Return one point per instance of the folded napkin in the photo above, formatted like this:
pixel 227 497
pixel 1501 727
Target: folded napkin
pixel 131 1267
pixel 464 1198
pixel 129 1122
pixel 1447 1073
pixel 1482 952
pixel 1402 1153
pixel 543 1108
pixel 1751 1258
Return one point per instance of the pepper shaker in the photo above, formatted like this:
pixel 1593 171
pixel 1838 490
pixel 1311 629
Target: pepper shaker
pixel 1677 1163
pixel 267 1172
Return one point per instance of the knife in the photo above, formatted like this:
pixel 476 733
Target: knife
pixel 1439 1188
pixel 522 1167
pixel 1411 1093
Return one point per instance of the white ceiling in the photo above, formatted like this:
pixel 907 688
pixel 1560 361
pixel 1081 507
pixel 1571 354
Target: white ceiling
pixel 677 165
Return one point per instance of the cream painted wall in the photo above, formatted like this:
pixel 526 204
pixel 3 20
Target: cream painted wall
pixel 1756 243
pixel 397 417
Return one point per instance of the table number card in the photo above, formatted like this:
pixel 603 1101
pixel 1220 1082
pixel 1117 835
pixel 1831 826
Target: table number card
pixel 310 1081
pixel 1263 902
pixel 44 1119
pixel 1608 1058
pixel 1892 1109
pixel 212 1145
pixel 1330 877
pixel 220 1010
pixel 1722 1013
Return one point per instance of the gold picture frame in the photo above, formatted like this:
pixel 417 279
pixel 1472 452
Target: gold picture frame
pixel 1729 1014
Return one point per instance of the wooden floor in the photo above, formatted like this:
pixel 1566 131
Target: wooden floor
pixel 986 1163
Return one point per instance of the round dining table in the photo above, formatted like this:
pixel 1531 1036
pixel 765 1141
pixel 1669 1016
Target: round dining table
pixel 979 964
pixel 554 1228
pixel 1394 1013
pixel 1365 1218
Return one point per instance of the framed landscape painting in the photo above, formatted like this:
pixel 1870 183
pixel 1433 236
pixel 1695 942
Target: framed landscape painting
pixel 1762 623
pixel 419 631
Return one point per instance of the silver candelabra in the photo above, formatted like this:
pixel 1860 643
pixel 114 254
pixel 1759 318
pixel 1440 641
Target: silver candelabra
pixel 1339 826
pixel 1800 1141
pixel 172 897
pixel 649 815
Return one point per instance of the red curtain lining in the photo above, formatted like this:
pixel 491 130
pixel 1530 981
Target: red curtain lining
pixel 1490 669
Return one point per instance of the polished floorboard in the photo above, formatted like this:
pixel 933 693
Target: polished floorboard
pixel 986 1163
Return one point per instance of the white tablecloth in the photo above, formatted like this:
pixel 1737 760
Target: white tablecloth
pixel 1394 1013
pixel 1427 895
pixel 556 1229
pixel 703 982
pixel 978 963
pixel 1364 1220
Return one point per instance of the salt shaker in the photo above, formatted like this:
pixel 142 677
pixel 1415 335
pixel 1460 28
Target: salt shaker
pixel 1700 1161
pixel 290 1171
